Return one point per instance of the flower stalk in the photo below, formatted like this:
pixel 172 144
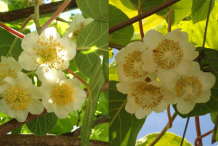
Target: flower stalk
pixel 140 21
pixel 36 18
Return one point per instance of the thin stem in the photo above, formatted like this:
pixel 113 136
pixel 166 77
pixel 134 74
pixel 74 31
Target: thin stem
pixel 23 4
pixel 141 16
pixel 205 32
pixel 36 19
pixel 140 21
pixel 21 29
pixel 198 129
pixel 62 7
pixel 170 19
pixel 200 137
pixel 78 77
pixel 163 131
pixel 14 32
pixel 186 125
pixel 169 116
pixel 215 131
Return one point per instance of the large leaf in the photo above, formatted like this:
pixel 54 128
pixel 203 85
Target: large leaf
pixel 92 42
pixel 212 104
pixel 96 84
pixel 43 124
pixel 124 35
pixel 96 9
pixel 6 39
pixel 168 139
pixel 200 9
pixel 124 127
pixel 113 71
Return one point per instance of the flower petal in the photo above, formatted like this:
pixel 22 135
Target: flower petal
pixel 131 107
pixel 207 80
pixel 29 43
pixel 142 113
pixel 184 107
pixel 166 76
pixel 189 51
pixel 69 46
pixel 51 31
pixel 177 35
pixel 162 105
pixel 152 39
pixel 184 67
pixel 60 111
pixel 204 97
pixel 26 61
pixel 149 64
pixel 48 104
pixel 35 107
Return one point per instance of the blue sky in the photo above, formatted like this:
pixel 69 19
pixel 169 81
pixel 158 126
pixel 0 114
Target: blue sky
pixel 155 122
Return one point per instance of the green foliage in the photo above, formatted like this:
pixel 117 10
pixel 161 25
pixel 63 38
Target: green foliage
pixel 101 132
pixel 96 84
pixel 113 71
pixel 124 127
pixel 168 139
pixel 43 124
pixel 124 35
pixel 6 39
pixel 96 9
pixel 92 43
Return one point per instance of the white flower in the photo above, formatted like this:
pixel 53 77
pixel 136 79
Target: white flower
pixel 130 63
pixel 48 49
pixel 9 67
pixel 143 97
pixel 77 24
pixel 20 97
pixel 194 88
pixel 62 95
pixel 170 55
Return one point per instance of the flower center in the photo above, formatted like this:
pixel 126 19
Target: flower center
pixel 17 98
pixel 62 94
pixel 6 71
pixel 188 88
pixel 168 54
pixel 51 52
pixel 133 66
pixel 148 96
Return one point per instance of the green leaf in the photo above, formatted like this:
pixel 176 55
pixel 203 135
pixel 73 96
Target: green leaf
pixel 168 139
pixel 124 35
pixel 96 84
pixel 212 104
pixel 101 132
pixel 96 9
pixel 65 125
pixel 43 124
pixel 124 127
pixel 113 71
pixel 200 9
pixel 213 116
pixel 6 39
pixel 92 43
pixel 3 115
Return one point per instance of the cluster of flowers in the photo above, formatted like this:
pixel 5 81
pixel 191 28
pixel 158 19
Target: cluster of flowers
pixel 160 71
pixel 46 55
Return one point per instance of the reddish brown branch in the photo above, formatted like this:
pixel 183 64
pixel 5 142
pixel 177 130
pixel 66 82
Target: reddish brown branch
pixel 48 140
pixel 169 116
pixel 198 130
pixel 200 137
pixel 12 31
pixel 13 124
pixel 26 12
pixel 141 16
pixel 163 131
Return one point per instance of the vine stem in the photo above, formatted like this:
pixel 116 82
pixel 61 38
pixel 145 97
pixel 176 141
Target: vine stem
pixel 170 19
pixel 79 78
pixel 198 129
pixel 163 131
pixel 21 29
pixel 36 19
pixel 169 116
pixel 62 7
pixel 14 32
pixel 205 32
pixel 186 125
pixel 141 16
pixel 140 21
pixel 214 131
pixel 200 137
